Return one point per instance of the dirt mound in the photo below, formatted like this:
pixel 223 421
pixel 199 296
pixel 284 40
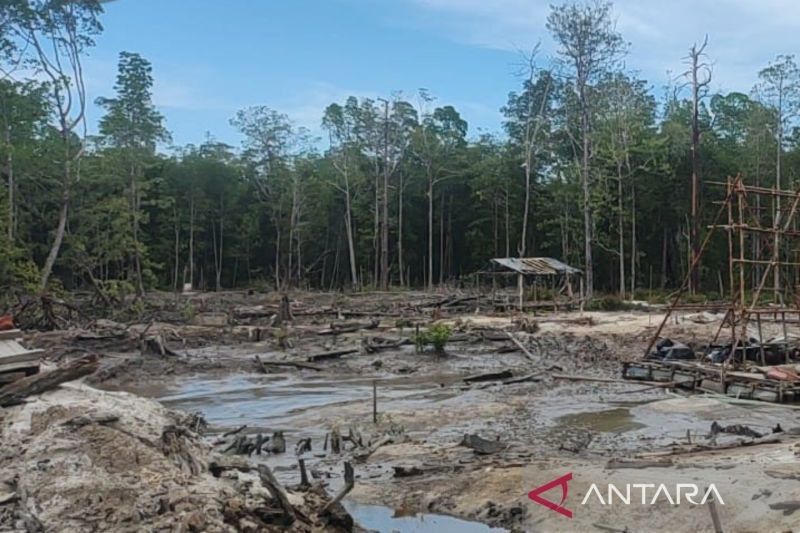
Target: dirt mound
pixel 79 459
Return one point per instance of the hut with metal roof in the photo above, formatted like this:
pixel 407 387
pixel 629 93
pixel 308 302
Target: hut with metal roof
pixel 545 275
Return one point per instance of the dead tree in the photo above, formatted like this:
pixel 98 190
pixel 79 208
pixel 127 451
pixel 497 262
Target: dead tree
pixel 700 75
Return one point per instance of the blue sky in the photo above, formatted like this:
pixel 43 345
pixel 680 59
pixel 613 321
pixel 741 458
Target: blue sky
pixel 213 57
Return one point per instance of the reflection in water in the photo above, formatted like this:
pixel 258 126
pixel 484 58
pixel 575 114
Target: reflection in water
pixel 380 518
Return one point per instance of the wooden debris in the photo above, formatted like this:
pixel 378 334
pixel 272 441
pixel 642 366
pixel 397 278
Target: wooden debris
pixel 522 347
pixel 335 354
pixel 235 431
pixel 349 483
pixel 277 491
pixel 16 392
pixel 296 364
pixel 615 464
pixel 481 445
pixel 8 497
pixel 87 420
pixel 301 463
pixel 407 471
pixel 349 327
pixel 788 507
pixel 489 376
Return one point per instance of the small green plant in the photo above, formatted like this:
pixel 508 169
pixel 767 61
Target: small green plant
pixel 437 336
pixel 189 311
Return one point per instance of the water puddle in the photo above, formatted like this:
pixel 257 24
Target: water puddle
pixel 609 421
pixel 381 518
pixel 280 402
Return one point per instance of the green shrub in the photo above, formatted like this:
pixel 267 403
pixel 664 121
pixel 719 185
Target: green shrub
pixel 437 336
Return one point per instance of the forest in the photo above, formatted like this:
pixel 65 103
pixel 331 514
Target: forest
pixel 595 166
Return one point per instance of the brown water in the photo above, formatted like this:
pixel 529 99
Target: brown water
pixel 608 421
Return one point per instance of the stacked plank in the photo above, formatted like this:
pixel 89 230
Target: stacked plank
pixel 16 361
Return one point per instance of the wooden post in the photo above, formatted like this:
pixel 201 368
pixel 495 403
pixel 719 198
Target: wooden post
pixel 785 339
pixel 374 401
pixel 761 340
pixel 712 508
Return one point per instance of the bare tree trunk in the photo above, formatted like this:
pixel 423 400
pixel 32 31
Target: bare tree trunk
pixel 176 270
pixel 61 229
pixel 376 242
pixel 633 238
pixel 400 230
pixel 430 231
pixel 11 185
pixel 191 239
pixel 508 225
pixel 777 214
pixel 348 224
pixel 137 260
pixel 385 228
pixel 621 231
pixel 588 224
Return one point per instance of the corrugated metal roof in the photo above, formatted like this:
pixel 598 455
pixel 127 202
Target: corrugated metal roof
pixel 539 266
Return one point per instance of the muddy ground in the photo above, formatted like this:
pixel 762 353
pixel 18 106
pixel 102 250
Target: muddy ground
pixel 544 423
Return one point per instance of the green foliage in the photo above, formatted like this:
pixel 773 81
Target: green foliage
pixel 288 210
pixel 437 336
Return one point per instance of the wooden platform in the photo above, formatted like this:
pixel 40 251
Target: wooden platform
pixel 694 375
pixel 16 361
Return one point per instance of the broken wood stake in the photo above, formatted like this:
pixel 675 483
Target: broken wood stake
pixel 712 508
pixel 303 474
pixel 277 491
pixel 374 401
pixel 349 483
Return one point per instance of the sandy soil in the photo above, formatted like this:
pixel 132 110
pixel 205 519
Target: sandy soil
pixel 549 427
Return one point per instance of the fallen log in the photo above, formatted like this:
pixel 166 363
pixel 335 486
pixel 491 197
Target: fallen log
pixel 296 364
pixel 335 354
pixel 706 449
pixel 522 347
pixel 614 464
pixel 16 392
pixel 489 376
pixel 348 327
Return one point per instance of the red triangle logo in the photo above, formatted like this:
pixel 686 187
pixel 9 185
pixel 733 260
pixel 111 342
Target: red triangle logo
pixel 562 481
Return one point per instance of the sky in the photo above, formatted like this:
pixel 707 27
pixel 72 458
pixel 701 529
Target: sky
pixel 213 57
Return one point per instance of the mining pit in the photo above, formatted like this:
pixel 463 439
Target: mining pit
pixel 200 390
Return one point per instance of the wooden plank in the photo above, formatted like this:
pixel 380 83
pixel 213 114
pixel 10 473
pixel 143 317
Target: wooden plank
pixel 10 334
pixel 22 357
pixel 23 365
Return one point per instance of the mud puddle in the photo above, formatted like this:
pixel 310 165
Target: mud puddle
pixel 287 403
pixel 608 421
pixel 381 518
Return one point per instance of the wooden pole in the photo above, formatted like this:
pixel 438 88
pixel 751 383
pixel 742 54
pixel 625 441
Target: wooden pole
pixel 374 401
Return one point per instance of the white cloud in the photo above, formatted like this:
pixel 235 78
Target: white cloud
pixel 743 35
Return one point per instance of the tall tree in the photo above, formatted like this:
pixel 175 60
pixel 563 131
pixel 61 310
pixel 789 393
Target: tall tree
pixel 435 142
pixel 779 88
pixel 699 75
pixel 589 45
pixel 132 127
pixel 55 35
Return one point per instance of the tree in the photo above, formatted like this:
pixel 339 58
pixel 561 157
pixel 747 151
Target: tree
pixel 589 45
pixel 435 141
pixel 132 127
pixel 341 123
pixel 780 89
pixel 699 74
pixel 55 35
pixel 270 145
